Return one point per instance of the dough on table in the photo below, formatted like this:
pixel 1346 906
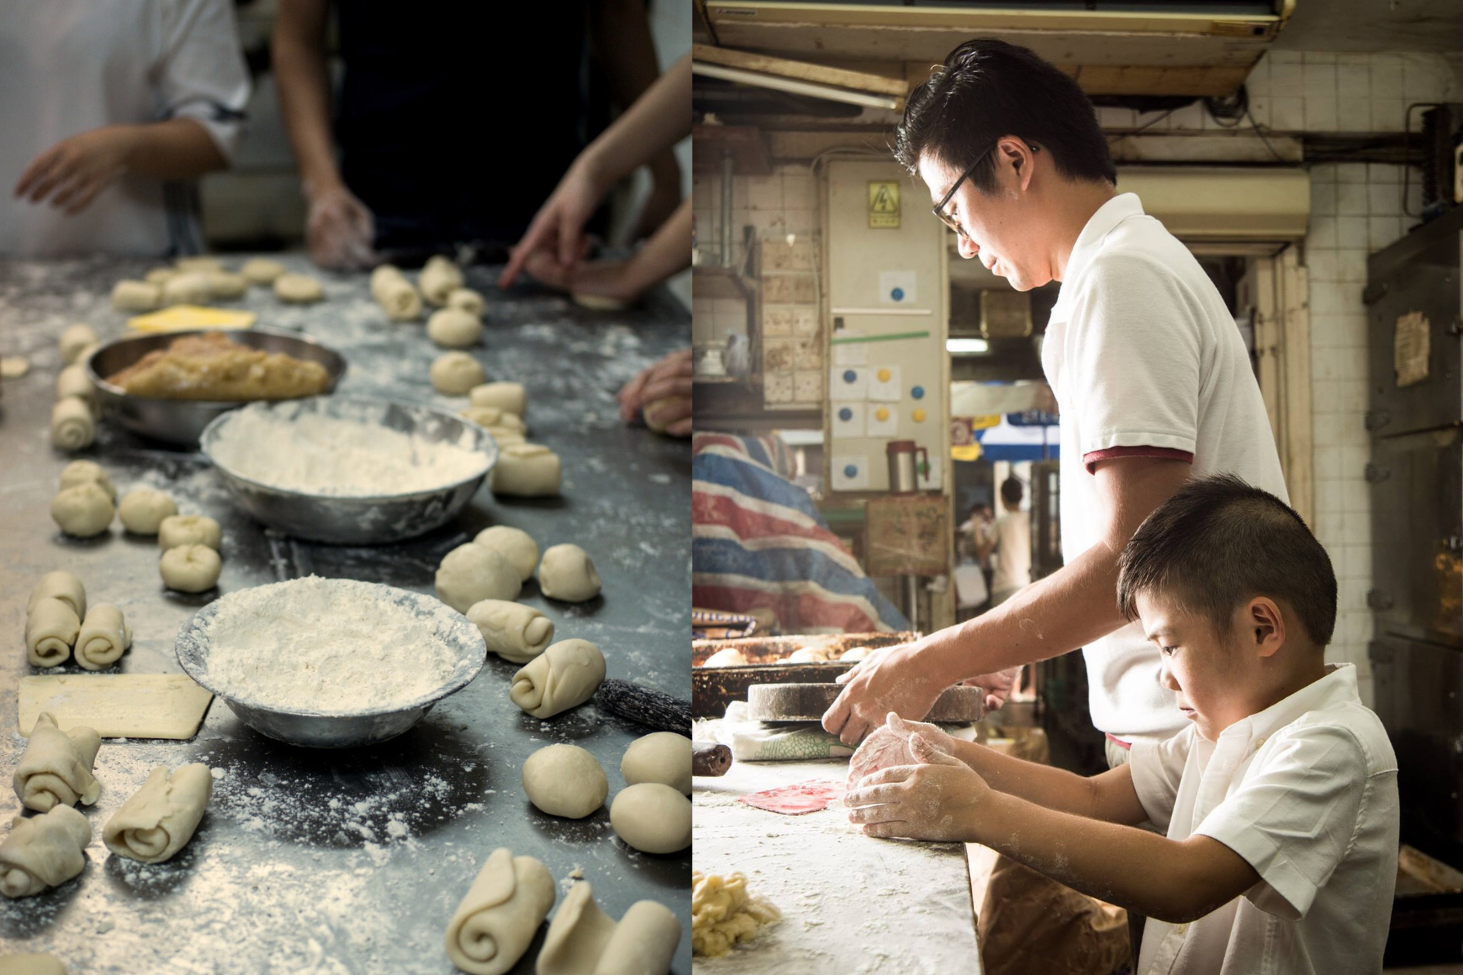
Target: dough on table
pixel 103 637
pixel 467 300
pixel 198 264
pixel 83 471
pixel 881 749
pixel 663 757
pixel 600 303
pixel 565 780
pixel 526 470
pixel 508 397
pixel 652 817
pixel 298 288
pixel 657 413
pixel 72 381
pixel 261 270
pixel 211 366
pixel 137 296
pixel 454 373
pixel 724 912
pixel 14 366
pixel 513 631
pixel 143 509
pixel 577 935
pixel 567 573
pixel 497 919
pixel 117 706
pixel 43 851
pixel 51 628
pixel 439 278
pixel 727 657
pixel 856 653
pixel 72 424
pixel 190 568
pixel 160 275
pixel 55 769
pixel 565 675
pixel 809 655
pixel 161 816
pixel 61 585
pixel 175 530
pixel 502 436
pixel 454 328
pixel 189 288
pixel 395 294
pixel 75 340
pixel 490 416
pixel 31 964
pixel 471 573
pixel 515 544
pixel 83 511
pixel 226 286
pixel 643 943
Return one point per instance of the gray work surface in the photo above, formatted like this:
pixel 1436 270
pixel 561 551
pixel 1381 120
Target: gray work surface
pixel 850 903
pixel 353 861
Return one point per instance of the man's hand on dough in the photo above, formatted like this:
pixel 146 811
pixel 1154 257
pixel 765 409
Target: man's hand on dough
pixel 339 230
pixel 555 240
pixel 73 171
pixel 889 679
pixel 668 379
pixel 939 799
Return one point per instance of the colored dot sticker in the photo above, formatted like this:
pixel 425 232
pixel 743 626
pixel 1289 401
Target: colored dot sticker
pixel 845 414
pixel 882 414
pixel 884 375
pixel 918 392
pixel 850 470
pixel 849 375
pixel 919 416
pixel 897 294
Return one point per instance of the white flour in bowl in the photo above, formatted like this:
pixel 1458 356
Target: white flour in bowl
pixel 333 646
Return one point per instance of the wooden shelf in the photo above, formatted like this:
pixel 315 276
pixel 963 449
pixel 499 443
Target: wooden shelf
pixel 749 150
pixel 721 282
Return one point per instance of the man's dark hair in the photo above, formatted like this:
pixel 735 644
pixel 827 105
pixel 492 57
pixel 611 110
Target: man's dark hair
pixel 1011 491
pixel 988 89
pixel 1219 542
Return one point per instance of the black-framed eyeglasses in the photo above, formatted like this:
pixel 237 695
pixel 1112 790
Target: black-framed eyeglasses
pixel 939 208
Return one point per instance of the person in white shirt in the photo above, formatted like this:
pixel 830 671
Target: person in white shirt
pixel 1279 798
pixel 1009 538
pixel 1151 376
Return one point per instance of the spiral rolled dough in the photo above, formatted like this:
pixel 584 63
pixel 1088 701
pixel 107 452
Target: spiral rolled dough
pixel 652 817
pixel 506 396
pixel 526 470
pixel 439 278
pixel 454 373
pixel 190 568
pixel 103 637
pixel 72 424
pixel 395 294
pixel 143 509
pixel 496 920
pixel 565 780
pixel 298 288
pixel 567 573
pixel 175 530
pixel 471 573
pixel 82 471
pixel 513 631
pixel 160 818
pixel 82 511
pixel 467 300
pixel 43 851
pixel 453 328
pixel 55 768
pixel 51 628
pixel 514 543
pixel 564 676
pixel 75 340
pixel 61 585
pixel 261 270
pixel 137 296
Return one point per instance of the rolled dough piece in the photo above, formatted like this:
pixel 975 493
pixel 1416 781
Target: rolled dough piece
pixel 496 420
pixel 724 912
pixel 175 530
pixel 467 300
pixel 492 927
pixel 75 339
pixel 453 328
pixel 508 397
pixel 727 657
pixel 663 757
pixel 104 635
pixel 61 585
pixel 394 293
pixel 160 275
pixel 652 817
pixel 143 509
pixel 809 655
pixel 657 413
pixel 881 749
pixel 600 303
pixel 55 769
pixel 72 381
pixel 454 373
pixel 643 943
pixel 190 568
pixel 31 964
pixel 513 631
pixel 567 573
pixel 226 286
pixel 51 628
pixel 577 935
pixel 565 675
pixel 161 816
pixel 298 288
pixel 198 264
pixel 137 296
pixel 856 653
pixel 526 470
pixel 72 425
pixel 565 780
pixel 83 471
pixel 515 544
pixel 13 366
pixel 116 705
pixel 471 573
pixel 261 270
pixel 502 436
pixel 43 851
pixel 439 278
pixel 83 511
pixel 189 288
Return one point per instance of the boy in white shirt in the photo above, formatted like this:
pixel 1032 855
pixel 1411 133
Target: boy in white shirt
pixel 1279 800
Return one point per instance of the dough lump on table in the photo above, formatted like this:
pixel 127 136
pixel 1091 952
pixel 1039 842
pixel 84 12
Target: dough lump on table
pixel 103 637
pixel 508 397
pixel 72 424
pixel 160 275
pixel 492 927
pixel 467 300
pixel 83 511
pixel 143 509
pixel 439 278
pixel 51 627
pixel 513 631
pixel 61 585
pixel 663 757
pixel 652 817
pixel 137 296
pixel 43 851
pixel 565 675
pixel 31 964
pixel 190 568
pixel 76 340
pixel 161 816
pixel 657 413
pixel 809 655
pixel 175 530
pixel 515 544
pixel 526 470
pixel 883 748
pixel 455 373
pixel 55 769
pixel 565 780
pixel 72 381
pixel 727 657
pixel 453 328
pixel 84 471
pixel 226 286
pixel 298 288
pixel 395 294
pixel 198 264
pixel 577 935
pixel 261 270
pixel 600 303
pixel 567 573
pixel 189 288
pixel 471 573
pixel 724 912
pixel 643 943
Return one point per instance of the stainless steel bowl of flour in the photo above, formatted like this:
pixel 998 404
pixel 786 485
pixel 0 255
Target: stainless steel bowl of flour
pixel 347 470
pixel 330 663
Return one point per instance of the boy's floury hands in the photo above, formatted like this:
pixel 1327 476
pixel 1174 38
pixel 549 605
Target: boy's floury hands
pixel 940 799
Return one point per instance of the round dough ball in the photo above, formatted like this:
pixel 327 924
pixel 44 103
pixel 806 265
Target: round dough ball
pixel 225 285
pixel 652 817
pixel 161 275
pixel 75 340
pixel 72 424
pixel 190 288
pixel 137 296
pixel 600 303
pixel 83 511
pixel 657 414
pixel 190 568
pixel 471 573
pixel 439 278
pixel 261 270
pixel 176 530
pixel 143 509
pixel 515 544
pixel 663 757
pixel 466 300
pixel 84 472
pixel 198 264
pixel 454 373
pixel 508 397
pixel 565 780
pixel 454 328
pixel 567 573
pixel 298 288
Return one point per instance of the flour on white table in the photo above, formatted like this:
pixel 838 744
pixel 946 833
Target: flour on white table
pixel 326 645
pixel 342 458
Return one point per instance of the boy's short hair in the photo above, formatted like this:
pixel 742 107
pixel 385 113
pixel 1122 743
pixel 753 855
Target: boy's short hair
pixel 1011 490
pixel 1218 542
pixel 987 89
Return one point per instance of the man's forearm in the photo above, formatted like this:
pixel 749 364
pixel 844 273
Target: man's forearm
pixel 176 149
pixel 304 90
pixel 667 251
pixel 650 127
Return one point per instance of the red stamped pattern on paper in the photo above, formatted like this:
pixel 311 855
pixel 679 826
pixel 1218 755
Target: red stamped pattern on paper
pixel 797 799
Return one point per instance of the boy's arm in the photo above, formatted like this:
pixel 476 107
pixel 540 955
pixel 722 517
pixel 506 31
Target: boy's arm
pixel 1109 796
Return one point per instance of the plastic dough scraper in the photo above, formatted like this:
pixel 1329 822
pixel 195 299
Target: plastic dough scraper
pixel 117 705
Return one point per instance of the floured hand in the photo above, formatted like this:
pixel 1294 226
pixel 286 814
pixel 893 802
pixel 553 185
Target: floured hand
pixel 888 746
pixel 889 679
pixel 939 799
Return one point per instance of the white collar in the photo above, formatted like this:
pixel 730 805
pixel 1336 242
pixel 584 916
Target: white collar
pixel 1337 687
pixel 1102 222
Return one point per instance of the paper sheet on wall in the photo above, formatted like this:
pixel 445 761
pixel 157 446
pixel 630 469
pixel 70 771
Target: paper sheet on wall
pixel 1411 347
pixel 852 354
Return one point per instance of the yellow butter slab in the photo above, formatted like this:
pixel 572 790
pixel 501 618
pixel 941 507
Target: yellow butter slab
pixel 180 318
pixel 117 705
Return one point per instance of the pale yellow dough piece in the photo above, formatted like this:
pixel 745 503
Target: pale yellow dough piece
pixel 61 585
pixel 190 568
pixel 198 264
pixel 643 943
pixel 657 413
pixel 503 436
pixel 43 851
pixel 51 628
pixel 724 912
pixel 143 509
pixel 471 573
pixel 727 657
pixel 395 294
pixel 161 275
pixel 55 769
pixel 189 288
pixel 137 296
pixel 175 530
pixel 652 817
pixel 567 573
pixel 564 676
pixel 82 471
pixel 75 340
pixel 497 919
pixel 515 543
pixel 467 300
pixel 565 780
pixel 506 396
pixel 454 373
pixel 453 328
pixel 226 286
pixel 161 816
pixel 298 288
pixel 439 278
pixel 72 381
pixel 261 270
pixel 513 631
pixel 82 511
pixel 527 470
pixel 663 757
pixel 31 964
pixel 72 424
pixel 104 636
pixel 117 705
pixel 598 303
pixel 577 935
pixel 13 366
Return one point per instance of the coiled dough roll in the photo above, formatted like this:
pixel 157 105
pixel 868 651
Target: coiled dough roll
pixel 495 922
pixel 563 676
pixel 394 293
pixel 72 425
pixel 526 470
pixel 513 631
pixel 51 627
pixel 60 585
pixel 161 816
pixel 55 769
pixel 104 635
pixel 43 851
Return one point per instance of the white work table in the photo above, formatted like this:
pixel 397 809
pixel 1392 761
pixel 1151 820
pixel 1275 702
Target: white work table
pixel 850 903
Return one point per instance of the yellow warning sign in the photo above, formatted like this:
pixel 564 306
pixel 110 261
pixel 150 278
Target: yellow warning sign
pixel 883 205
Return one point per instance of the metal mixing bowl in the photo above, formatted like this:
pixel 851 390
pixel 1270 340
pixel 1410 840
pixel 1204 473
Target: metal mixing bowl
pixel 181 421
pixel 319 729
pixel 358 520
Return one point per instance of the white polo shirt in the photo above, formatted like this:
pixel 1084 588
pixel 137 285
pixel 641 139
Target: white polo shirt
pixel 1145 360
pixel 1306 792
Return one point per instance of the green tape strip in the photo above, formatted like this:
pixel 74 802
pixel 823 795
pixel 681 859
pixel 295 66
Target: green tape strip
pixel 893 337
